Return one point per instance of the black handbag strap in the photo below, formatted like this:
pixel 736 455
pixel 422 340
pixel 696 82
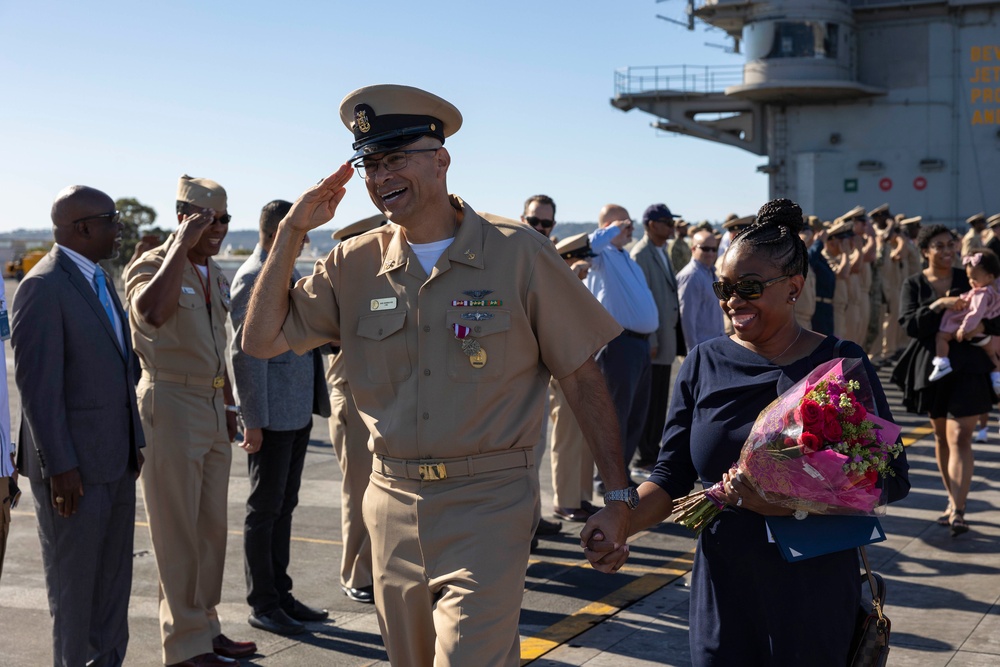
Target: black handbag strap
pixel 875 584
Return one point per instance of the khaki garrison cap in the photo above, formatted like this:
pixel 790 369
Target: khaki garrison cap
pixel 575 247
pixel 993 220
pixel 855 212
pixel 202 192
pixel 978 217
pixel 841 226
pixel 385 117
pixel 882 209
pixel 910 221
pixel 359 227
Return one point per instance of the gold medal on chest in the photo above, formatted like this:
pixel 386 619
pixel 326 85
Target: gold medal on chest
pixel 478 360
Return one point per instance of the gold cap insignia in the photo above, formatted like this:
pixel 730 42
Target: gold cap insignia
pixel 362 120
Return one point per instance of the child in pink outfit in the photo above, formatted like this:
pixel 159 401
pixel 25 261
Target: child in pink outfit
pixel 983 269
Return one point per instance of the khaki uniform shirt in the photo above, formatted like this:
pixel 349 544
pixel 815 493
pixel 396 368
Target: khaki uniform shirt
pixel 972 239
pixel 193 341
pixel 414 386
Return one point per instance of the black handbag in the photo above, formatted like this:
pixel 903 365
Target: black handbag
pixel 870 645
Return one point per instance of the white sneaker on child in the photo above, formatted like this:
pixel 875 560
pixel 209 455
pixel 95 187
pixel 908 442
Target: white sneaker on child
pixel 995 379
pixel 981 435
pixel 942 366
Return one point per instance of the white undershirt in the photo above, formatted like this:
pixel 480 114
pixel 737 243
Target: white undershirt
pixel 430 253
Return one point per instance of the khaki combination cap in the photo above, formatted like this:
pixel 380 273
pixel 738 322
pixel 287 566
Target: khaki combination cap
pixel 202 192
pixel 740 223
pixel 882 209
pixel 915 220
pixel 978 217
pixel 993 220
pixel 360 227
pixel 814 223
pixel 841 226
pixel 856 212
pixel 575 247
pixel 385 117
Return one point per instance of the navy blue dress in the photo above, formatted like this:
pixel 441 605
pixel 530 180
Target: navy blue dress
pixel 748 605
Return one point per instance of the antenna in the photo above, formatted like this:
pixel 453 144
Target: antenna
pixel 689 10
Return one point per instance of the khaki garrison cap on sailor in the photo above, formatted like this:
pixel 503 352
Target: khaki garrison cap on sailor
pixel 910 221
pixel 978 217
pixel 575 247
pixel 202 192
pixel 993 220
pixel 855 212
pixel 359 227
pixel 841 226
pixel 388 116
pixel 882 209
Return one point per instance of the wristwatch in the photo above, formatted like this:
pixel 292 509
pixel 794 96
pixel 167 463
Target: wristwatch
pixel 235 409
pixel 628 495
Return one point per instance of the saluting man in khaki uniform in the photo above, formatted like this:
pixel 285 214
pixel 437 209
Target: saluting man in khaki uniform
pixel 836 252
pixel 451 325
pixel 974 237
pixel 178 302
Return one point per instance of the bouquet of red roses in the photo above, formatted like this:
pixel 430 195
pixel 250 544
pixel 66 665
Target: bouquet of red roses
pixel 818 447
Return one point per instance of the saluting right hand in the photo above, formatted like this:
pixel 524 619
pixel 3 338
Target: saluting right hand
pixel 192 225
pixel 317 205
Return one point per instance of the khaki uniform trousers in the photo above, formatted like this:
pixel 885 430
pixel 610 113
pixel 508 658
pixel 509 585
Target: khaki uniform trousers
pixel 840 311
pixel 572 462
pixel 349 436
pixel 855 307
pixel 892 283
pixel 185 486
pixel 450 558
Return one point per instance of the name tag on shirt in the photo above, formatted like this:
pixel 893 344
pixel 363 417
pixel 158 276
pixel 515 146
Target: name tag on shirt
pixel 187 290
pixel 384 304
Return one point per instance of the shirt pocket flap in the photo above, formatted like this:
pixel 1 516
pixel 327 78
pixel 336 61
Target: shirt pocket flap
pixel 381 325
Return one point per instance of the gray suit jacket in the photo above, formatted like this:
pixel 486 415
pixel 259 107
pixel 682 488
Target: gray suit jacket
pixel 663 284
pixel 78 406
pixel 279 394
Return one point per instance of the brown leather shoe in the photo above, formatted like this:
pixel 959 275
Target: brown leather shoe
pixel 207 660
pixel 227 648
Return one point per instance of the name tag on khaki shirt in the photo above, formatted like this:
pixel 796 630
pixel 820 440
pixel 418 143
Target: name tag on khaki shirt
pixel 384 304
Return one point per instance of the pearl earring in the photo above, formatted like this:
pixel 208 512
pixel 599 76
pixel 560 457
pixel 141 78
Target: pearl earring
pixel 794 299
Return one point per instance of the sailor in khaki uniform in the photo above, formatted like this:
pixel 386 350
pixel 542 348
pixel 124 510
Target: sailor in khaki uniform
pixel 349 436
pixel 836 252
pixel 974 237
pixel 453 325
pixel 178 303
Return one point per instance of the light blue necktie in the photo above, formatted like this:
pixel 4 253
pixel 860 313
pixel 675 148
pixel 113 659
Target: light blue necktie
pixel 102 295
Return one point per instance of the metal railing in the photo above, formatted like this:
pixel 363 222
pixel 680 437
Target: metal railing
pixel 681 78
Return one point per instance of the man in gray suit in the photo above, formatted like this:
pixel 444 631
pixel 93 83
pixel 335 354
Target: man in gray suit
pixel 80 431
pixel 277 399
pixel 650 253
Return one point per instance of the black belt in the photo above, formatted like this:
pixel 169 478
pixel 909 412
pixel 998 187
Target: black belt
pixel 635 334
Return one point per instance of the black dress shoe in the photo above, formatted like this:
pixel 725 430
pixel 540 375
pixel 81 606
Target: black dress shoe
pixel 276 621
pixel 206 660
pixel 548 527
pixel 227 648
pixel 303 612
pixel 364 594
pixel 576 514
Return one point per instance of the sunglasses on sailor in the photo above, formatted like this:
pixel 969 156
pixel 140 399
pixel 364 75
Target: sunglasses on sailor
pixel 707 248
pixel 113 217
pixel 539 222
pixel 748 290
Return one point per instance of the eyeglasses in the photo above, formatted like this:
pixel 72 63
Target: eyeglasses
pixel 950 245
pixel 112 217
pixel 223 219
pixel 748 290
pixel 539 222
pixel 391 161
pixel 707 248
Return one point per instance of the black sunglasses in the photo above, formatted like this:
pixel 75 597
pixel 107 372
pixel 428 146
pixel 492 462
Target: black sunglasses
pixel 748 290
pixel 539 222
pixel 112 217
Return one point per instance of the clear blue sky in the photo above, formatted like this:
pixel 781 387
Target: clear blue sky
pixel 127 96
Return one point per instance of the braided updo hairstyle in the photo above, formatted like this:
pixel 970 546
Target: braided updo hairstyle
pixel 775 232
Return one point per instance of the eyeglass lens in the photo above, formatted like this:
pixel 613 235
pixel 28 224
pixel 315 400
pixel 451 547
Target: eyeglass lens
pixel 539 222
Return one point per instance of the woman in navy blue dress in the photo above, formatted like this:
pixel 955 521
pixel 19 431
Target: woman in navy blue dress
pixel 749 606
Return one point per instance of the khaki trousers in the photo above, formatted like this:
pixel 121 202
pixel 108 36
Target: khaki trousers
pixel 185 486
pixel 572 462
pixel 450 558
pixel 349 436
